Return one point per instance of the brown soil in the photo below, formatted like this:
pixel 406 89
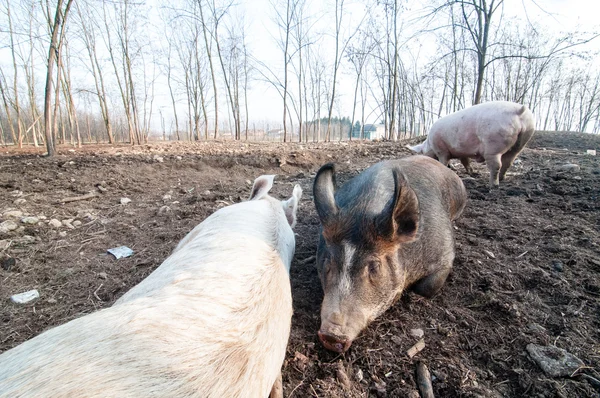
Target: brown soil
pixel 526 271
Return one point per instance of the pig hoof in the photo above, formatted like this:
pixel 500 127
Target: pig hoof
pixel 334 343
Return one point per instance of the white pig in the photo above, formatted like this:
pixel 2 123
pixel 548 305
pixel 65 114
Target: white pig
pixel 494 132
pixel 212 321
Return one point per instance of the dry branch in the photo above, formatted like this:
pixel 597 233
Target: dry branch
pixel 424 381
pixel 307 260
pixel 77 198
pixel 415 349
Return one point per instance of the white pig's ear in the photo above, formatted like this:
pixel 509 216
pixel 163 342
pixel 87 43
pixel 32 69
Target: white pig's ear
pixel 290 206
pixel 415 148
pixel 324 193
pixel 262 186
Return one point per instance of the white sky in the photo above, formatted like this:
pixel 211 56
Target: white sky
pixel 265 103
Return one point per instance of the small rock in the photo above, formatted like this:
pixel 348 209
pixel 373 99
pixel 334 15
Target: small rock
pixel 379 385
pixel 166 197
pixel 514 311
pixel 248 182
pixel 554 361
pixel 164 209
pixel 591 152
pixel 301 360
pixel 359 375
pixel 8 226
pixel 30 220
pixel 62 234
pixel 26 297
pixel 54 223
pixel 489 254
pixel 19 201
pixel 42 217
pixel 124 201
pixel 207 192
pixel 8 263
pixel 557 265
pixel 418 333
pixel 342 376
pixel 67 221
pixel 396 340
pixel 13 214
pixel 51 300
pixel 569 167
pixel 25 240
pixel 102 275
pixel 534 327
pixel 69 225
pixel 158 159
pixel 178 157
pixel 77 223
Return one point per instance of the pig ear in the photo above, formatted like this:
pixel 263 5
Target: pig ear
pixel 323 192
pixel 290 206
pixel 262 186
pixel 399 220
pixel 415 148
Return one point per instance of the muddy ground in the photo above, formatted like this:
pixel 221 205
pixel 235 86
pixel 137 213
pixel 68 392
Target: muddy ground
pixel 526 271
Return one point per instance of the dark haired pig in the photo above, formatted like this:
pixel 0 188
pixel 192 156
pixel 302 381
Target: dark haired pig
pixel 385 230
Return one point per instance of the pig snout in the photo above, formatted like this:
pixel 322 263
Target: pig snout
pixel 334 343
pixel 333 338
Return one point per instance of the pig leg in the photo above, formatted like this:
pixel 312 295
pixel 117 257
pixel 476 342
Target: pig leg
pixel 507 161
pixel 277 390
pixel 467 163
pixel 431 284
pixel 493 163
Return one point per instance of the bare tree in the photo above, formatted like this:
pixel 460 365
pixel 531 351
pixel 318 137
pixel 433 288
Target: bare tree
pixel 57 29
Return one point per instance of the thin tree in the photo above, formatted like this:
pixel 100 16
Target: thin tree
pixel 60 19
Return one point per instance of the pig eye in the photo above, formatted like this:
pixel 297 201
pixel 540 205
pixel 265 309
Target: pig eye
pixel 374 267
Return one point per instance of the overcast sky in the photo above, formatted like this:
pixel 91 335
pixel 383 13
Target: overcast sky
pixel 265 102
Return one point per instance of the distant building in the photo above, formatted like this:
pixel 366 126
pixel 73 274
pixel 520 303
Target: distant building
pixel 371 132
pixel 277 135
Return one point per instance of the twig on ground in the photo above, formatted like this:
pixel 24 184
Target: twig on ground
pixel 78 198
pixel 424 381
pixel 415 349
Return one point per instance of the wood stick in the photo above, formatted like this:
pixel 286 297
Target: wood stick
pixel 307 260
pixel 424 381
pixel 77 198
pixel 415 349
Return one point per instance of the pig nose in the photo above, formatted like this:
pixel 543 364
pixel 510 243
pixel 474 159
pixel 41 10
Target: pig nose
pixel 334 343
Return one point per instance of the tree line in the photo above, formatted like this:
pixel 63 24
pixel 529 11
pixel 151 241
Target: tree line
pixel 81 71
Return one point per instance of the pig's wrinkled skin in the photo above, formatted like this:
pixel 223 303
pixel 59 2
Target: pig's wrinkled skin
pixel 212 321
pixel 388 229
pixel 494 132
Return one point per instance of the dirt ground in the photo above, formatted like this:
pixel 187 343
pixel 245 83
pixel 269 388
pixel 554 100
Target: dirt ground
pixel 526 270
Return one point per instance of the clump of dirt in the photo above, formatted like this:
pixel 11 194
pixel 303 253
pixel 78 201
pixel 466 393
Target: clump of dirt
pixel 526 270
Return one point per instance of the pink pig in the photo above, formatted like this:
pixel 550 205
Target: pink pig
pixel 494 132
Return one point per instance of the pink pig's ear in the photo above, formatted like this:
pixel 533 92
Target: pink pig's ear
pixel 262 186
pixel 290 206
pixel 399 220
pixel 416 148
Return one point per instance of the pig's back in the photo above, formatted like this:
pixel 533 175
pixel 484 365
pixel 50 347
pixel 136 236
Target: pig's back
pixel 434 184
